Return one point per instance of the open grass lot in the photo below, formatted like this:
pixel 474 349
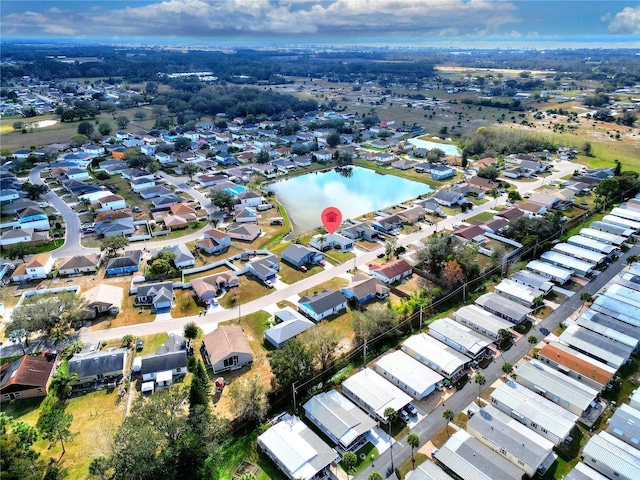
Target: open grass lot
pixel 481 217
pixel 289 274
pixel 245 448
pixel 334 284
pixel 408 174
pixel 129 315
pixel 185 303
pixel 96 416
pixel 248 290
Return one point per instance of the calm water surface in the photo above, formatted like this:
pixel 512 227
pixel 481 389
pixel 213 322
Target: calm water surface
pixel 364 191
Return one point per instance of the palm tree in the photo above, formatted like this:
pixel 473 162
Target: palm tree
pixel 75 347
pixel 391 415
pixel 449 416
pixel 128 340
pixel 61 383
pixel 375 476
pixel 480 380
pixel 632 259
pixel 495 194
pixel 507 368
pixel 59 336
pixel 349 461
pixel 538 302
pixel 532 339
pixel 322 239
pixel 414 442
pixel 586 297
pixel 18 335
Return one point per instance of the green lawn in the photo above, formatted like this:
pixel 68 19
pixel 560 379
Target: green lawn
pixel 248 290
pixel 481 217
pixel 367 450
pixel 242 448
pixel 185 303
pixel 290 275
pixel 408 174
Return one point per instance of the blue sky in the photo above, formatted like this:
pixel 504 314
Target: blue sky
pixel 425 22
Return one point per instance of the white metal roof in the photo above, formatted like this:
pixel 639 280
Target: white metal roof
pixel 428 471
pixel 522 293
pixel 375 391
pixel 409 371
pixel 625 422
pixel 471 460
pixel 556 383
pixel 615 354
pixel 611 228
pixel 286 330
pixel 503 431
pixel 617 309
pixel 610 328
pixel 297 447
pixel 591 244
pixel 536 408
pixel 578 266
pixel 621 222
pixel 478 316
pixel 583 471
pixel 624 294
pixel 465 337
pixel 539 282
pixel 339 415
pixel 615 454
pixel 629 213
pixel 551 270
pixel 435 354
pixel 604 237
pixel 579 253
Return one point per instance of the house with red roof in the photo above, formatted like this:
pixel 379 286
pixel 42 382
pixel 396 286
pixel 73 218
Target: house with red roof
pixel 391 271
pixel 26 377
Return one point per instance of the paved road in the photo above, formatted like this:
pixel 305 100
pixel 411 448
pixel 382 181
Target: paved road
pixel 459 401
pixel 72 234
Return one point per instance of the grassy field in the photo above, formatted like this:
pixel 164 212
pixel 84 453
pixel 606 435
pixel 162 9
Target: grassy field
pixel 185 303
pixel 248 290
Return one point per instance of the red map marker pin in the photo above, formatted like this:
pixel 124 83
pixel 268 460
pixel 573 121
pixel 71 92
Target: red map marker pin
pixel 331 219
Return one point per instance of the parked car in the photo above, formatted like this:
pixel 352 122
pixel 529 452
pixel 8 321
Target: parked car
pixel 136 209
pixel 139 345
pixel 268 284
pixel 404 416
pixel 321 263
pixel 303 268
pixel 380 255
pixel 411 409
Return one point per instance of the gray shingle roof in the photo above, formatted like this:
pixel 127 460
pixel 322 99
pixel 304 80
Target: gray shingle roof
pixel 323 301
pixel 97 363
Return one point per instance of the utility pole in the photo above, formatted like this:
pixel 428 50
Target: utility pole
pixel 420 317
pixel 364 350
pixel 293 388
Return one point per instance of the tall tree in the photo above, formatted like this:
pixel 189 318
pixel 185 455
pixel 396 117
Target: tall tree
pixel 249 399
pixel 263 157
pixel 18 461
pixel 532 339
pixel 507 368
pixel 390 246
pixel 191 331
pixel 48 312
pixel 480 380
pixel 391 416
pixel 85 128
pixel 414 442
pixel 122 121
pixel 322 340
pixel 374 321
pixel 608 188
pixel 448 415
pixel 34 192
pixel 349 461
pixel 292 363
pixel 61 383
pixel 112 244
pixel 20 250
pixel 55 427
pixel 222 200
pixel 452 273
pixel 191 169
pixel 17 336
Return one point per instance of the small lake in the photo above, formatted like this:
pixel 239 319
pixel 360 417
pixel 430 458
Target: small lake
pixel 445 147
pixel 364 191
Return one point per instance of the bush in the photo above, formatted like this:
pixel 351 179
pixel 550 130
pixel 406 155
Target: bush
pixel 102 176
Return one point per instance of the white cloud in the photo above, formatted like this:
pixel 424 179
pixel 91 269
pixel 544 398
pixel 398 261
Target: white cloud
pixel 202 18
pixel 626 21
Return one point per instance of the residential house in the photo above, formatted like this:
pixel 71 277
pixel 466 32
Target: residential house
pixel 509 214
pixel 164 158
pixel 531 209
pixel 470 234
pixel 429 205
pixel 504 308
pixel 374 394
pixel 517 292
pixel 248 198
pixel 360 231
pixel 442 172
pixel 408 374
pixel 111 223
pixel 484 162
pixel 612 457
pixel 138 184
pixel 391 271
pixel 332 240
pixel 625 425
pixel 126 264
pixel 296 450
pixel 214 241
pixel 436 355
pixel 226 348
pixel 557 387
pixel 534 411
pixel 265 268
pixel 322 305
pixel 155 192
pixel 160 369
pixel 388 224
pixel 80 264
pixel 33 217
pixel 448 199
pixel 459 337
pixel 579 366
pixel 299 255
pixel 548 201
pixel 584 472
pixel 291 324
pixel 27 377
pixel 483 322
pixel 404 164
pixel 484 184
pixel 556 274
pixel 245 231
pixel 579 267
pixel 23 235
pixel 537 282
pixel 164 202
pixel 505 435
pixel 183 257
pixel 412 215
pixel 245 215
pixel 339 419
pixel 494 226
pixel 38 267
pixel 364 288
pixel 614 354
pixel 103 299
pixel 96 369
pixel 593 245
pixel 424 167
pixel 207 288
pixel 110 202
pixel 158 295
pixel 209 180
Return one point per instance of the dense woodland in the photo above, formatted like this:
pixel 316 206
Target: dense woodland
pixel 614 67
